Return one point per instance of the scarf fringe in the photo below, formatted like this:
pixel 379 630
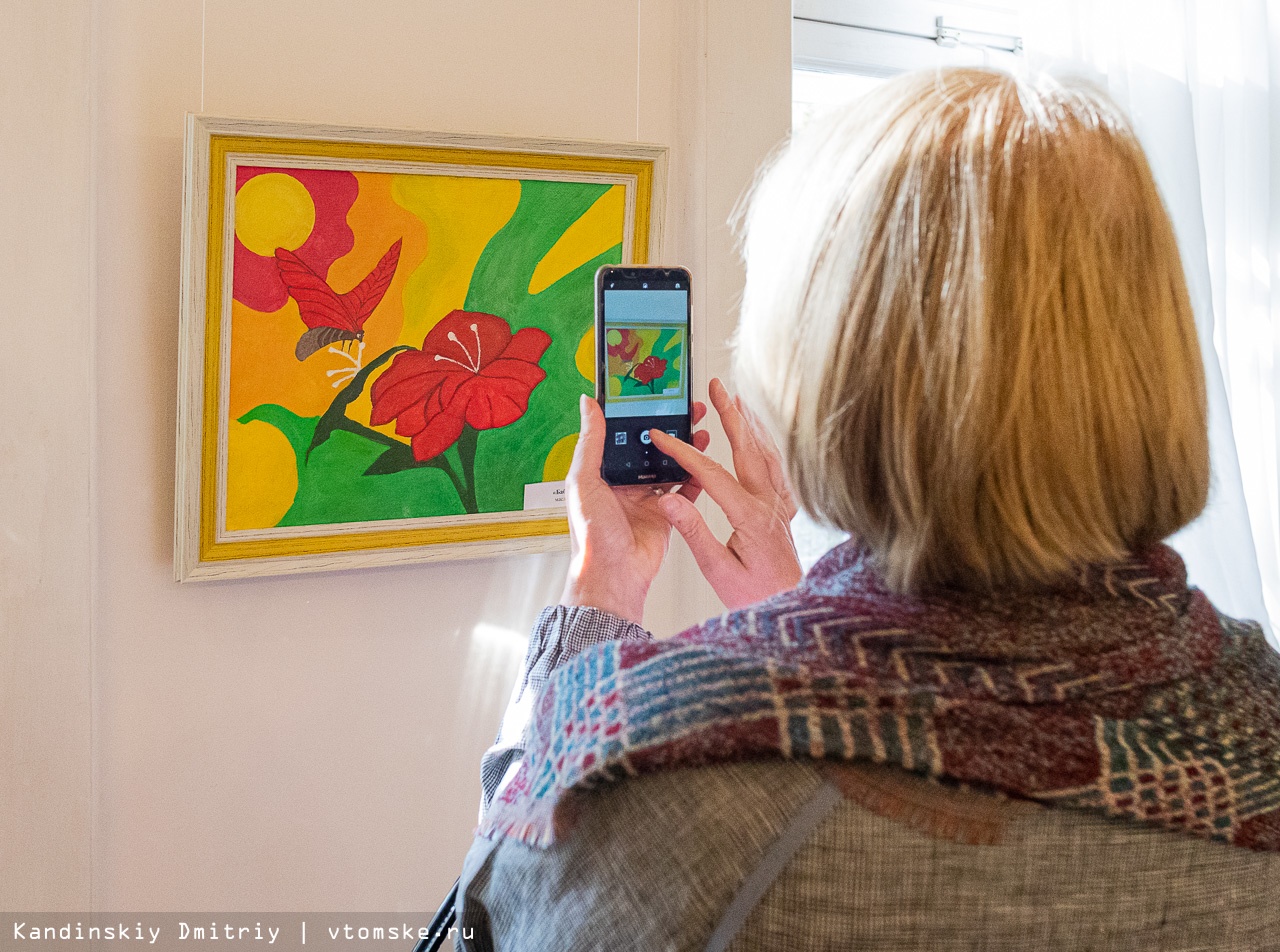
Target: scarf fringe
pixel 957 814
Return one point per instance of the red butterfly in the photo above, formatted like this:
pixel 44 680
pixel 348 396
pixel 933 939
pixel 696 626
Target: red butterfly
pixel 331 316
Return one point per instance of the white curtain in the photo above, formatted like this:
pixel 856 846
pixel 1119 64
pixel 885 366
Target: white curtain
pixel 1196 76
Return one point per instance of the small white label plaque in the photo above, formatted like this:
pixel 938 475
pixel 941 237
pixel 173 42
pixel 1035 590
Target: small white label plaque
pixel 544 495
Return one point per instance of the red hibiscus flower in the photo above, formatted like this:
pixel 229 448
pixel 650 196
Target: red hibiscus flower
pixel 471 369
pixel 649 369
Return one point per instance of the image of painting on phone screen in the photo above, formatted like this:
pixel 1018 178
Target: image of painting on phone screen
pixel 645 356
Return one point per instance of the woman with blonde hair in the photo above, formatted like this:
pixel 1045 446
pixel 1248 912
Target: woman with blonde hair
pixel 997 717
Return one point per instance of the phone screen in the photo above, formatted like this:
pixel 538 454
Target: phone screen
pixel 642 328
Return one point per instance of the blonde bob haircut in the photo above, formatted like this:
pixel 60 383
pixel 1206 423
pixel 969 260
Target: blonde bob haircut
pixel 966 322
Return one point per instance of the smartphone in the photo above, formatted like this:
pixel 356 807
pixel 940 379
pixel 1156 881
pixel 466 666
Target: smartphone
pixel 642 370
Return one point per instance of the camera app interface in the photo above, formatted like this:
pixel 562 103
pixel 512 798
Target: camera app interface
pixel 646 335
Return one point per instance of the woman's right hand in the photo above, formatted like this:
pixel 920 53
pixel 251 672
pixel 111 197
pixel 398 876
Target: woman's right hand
pixel 618 534
pixel 760 558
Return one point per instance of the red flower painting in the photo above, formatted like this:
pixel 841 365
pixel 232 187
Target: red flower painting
pixel 472 370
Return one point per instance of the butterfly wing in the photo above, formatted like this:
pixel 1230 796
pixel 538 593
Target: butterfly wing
pixel 318 337
pixel 365 296
pixel 318 304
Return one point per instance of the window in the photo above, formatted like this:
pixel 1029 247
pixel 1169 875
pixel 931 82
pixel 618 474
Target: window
pixel 842 48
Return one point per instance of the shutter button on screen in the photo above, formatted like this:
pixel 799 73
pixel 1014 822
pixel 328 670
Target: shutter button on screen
pixel 644 437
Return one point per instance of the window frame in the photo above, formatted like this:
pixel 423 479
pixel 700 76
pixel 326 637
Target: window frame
pixel 878 39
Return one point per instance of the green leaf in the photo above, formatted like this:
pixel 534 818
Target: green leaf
pixel 333 487
pixel 396 459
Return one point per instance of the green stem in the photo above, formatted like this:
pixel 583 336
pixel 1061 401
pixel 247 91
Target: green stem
pixel 442 461
pixel 359 429
pixel 467 456
pixel 335 418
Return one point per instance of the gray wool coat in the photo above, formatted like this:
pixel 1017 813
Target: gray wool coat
pixel 772 855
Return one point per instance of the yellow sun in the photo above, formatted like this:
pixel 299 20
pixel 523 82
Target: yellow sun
pixel 273 211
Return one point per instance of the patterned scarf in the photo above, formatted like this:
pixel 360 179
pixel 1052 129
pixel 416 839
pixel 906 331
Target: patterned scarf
pixel 1125 694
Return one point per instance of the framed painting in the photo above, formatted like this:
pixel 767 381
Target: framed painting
pixel 384 337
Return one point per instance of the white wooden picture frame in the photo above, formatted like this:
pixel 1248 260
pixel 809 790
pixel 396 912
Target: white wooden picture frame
pixel 316 258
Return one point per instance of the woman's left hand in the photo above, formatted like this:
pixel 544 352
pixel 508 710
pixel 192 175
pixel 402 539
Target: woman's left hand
pixel 618 534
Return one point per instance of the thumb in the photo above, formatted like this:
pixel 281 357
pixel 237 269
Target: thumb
pixel 589 452
pixel 712 557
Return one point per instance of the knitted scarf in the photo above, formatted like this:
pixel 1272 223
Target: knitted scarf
pixel 1125 693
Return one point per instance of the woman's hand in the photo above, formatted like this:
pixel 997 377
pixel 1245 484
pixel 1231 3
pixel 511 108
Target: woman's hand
pixel 759 559
pixel 619 534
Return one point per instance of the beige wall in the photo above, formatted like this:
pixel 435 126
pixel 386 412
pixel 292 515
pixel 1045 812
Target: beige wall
pixel 290 743
pixel 46 435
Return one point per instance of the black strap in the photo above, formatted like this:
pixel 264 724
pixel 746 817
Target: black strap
pixel 440 923
pixel 807 819
pixel 816 809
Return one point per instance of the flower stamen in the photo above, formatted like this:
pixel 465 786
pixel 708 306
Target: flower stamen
pixel 345 374
pixel 358 359
pixel 457 362
pixel 474 362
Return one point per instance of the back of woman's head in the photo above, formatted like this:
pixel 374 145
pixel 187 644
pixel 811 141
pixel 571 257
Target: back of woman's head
pixel 966 320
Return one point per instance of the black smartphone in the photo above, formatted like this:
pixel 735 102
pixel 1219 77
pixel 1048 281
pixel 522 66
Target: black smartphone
pixel 642 370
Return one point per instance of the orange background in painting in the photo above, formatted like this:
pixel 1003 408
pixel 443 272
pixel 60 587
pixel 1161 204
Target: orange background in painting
pixel 264 368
